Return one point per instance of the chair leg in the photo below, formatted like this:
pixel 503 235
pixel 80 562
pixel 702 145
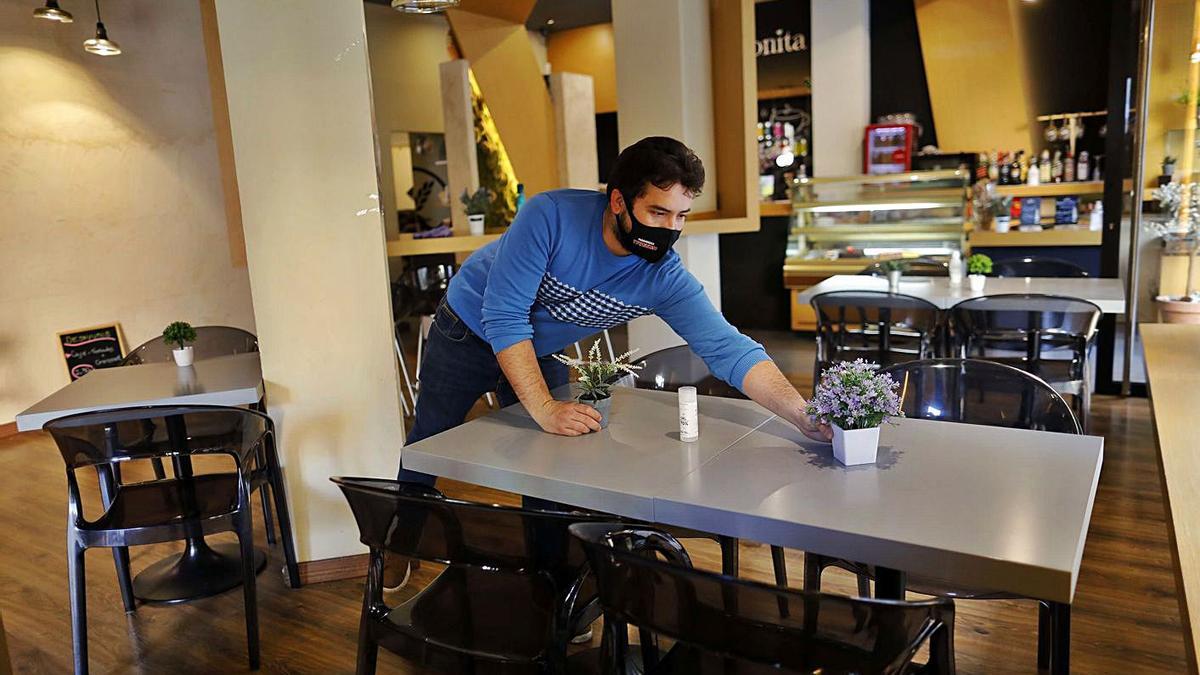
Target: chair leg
pixel 1044 633
pixel 780 563
pixel 124 579
pixel 941 652
pixel 812 572
pixel 729 556
pixel 264 494
pixel 275 476
pixel 159 471
pixel 864 585
pixel 368 648
pixel 78 589
pixel 246 539
pixel 1060 638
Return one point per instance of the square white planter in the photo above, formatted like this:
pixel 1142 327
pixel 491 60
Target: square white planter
pixel 855 446
pixel 183 357
pixel 976 281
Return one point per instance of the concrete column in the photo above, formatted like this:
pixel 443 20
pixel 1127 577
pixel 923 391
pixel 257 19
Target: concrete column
pixel 300 115
pixel 664 88
pixel 462 161
pixel 841 77
pixel 575 130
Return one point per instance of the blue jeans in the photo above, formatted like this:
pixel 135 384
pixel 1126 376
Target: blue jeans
pixel 457 368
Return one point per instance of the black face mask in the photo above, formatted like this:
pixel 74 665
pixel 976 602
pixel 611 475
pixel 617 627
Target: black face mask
pixel 648 243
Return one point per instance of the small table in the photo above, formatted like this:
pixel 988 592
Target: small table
pixel 201 570
pixel 1108 294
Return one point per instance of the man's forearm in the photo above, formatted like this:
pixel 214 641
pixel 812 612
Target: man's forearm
pixel 520 365
pixel 766 386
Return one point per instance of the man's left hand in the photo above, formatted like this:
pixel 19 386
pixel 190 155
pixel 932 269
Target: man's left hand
pixel 815 430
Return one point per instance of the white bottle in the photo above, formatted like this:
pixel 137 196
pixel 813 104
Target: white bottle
pixel 1034 175
pixel 1096 220
pixel 956 268
pixel 689 422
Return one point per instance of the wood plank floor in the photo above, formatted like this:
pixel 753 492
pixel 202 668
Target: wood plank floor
pixel 1125 620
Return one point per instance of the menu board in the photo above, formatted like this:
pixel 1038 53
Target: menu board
pixel 87 349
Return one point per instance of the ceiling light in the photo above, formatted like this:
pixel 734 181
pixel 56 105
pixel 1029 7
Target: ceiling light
pixel 423 6
pixel 52 12
pixel 101 45
pixel 549 22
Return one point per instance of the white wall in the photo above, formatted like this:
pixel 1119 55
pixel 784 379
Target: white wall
pixel 841 77
pixel 300 112
pixel 664 88
pixel 111 206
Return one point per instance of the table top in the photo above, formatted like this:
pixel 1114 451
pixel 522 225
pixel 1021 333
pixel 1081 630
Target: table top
pixel 1108 294
pixel 977 507
pixel 1007 511
pixel 618 469
pixel 225 380
pixel 1172 354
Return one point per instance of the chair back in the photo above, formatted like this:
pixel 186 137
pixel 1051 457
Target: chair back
pixel 913 267
pixel 674 367
pixel 883 327
pixel 981 392
pixel 743 620
pixel 211 341
pixel 1029 324
pixel 1038 266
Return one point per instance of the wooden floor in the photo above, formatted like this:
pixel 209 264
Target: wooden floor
pixel 1125 619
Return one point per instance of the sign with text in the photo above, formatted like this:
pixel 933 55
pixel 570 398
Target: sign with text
pixel 781 44
pixel 87 349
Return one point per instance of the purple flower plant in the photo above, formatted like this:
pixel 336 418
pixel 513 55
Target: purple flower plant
pixel 853 395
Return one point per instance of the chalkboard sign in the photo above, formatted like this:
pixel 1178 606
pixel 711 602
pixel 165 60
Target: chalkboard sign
pixel 89 348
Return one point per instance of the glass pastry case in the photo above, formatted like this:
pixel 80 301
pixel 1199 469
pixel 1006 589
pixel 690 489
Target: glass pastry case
pixel 841 225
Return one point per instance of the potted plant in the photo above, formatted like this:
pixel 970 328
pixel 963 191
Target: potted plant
pixel 894 269
pixel 1168 167
pixel 1179 233
pixel 854 398
pixel 596 378
pixel 476 204
pixel 978 267
pixel 180 333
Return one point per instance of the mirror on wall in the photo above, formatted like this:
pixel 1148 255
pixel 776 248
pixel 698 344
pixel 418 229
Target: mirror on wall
pixel 420 181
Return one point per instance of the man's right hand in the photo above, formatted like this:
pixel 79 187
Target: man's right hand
pixel 567 418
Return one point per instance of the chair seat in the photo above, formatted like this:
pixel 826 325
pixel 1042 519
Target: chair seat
pixel 497 617
pixel 1052 371
pixel 168 501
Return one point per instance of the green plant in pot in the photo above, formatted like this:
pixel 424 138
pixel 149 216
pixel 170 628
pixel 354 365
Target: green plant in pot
pixel 894 269
pixel 181 335
pixel 597 377
pixel 476 204
pixel 978 267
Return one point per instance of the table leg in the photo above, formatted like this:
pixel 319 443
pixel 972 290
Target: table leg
pixel 201 570
pixel 890 583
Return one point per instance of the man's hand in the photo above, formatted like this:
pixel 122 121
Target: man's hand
pixel 815 430
pixel 567 418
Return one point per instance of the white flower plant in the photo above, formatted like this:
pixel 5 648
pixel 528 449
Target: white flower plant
pixel 1182 224
pixel 596 376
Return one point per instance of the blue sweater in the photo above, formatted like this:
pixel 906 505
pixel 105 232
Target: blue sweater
pixel 551 279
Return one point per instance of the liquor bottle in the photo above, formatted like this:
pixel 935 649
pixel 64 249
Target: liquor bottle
pixel 1005 171
pixel 1014 169
pixel 1044 167
pixel 981 169
pixel 994 167
pixel 1056 167
pixel 1069 168
pixel 1083 171
pixel 1035 175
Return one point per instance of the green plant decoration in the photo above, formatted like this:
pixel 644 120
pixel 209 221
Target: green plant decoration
pixel 979 264
pixel 179 333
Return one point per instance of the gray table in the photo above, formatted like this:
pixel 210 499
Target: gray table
pixel 225 380
pixel 1108 294
pixel 200 570
pixel 974 506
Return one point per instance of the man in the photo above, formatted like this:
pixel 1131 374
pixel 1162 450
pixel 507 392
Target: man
pixel 575 262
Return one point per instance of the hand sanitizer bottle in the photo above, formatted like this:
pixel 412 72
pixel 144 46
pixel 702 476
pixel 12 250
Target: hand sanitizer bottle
pixel 956 268
pixel 689 423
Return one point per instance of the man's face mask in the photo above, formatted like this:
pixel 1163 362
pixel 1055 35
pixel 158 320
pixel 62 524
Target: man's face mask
pixel 649 243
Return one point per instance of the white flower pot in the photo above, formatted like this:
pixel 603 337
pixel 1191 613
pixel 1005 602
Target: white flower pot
pixel 893 277
pixel 976 281
pixel 1001 224
pixel 475 223
pixel 855 446
pixel 183 357
pixel 603 406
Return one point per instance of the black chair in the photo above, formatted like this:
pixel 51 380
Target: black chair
pixel 913 267
pixel 211 341
pixel 1038 266
pixel 508 601
pixel 725 625
pixel 886 328
pixel 1048 335
pixel 159 510
pixel 992 394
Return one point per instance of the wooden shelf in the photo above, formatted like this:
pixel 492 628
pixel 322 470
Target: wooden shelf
pixel 784 92
pixel 1091 187
pixel 407 245
pixel 781 207
pixel 1059 236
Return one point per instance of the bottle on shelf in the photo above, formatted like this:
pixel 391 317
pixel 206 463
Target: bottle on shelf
pixel 1024 167
pixel 1014 168
pixel 981 168
pixel 1035 174
pixel 1004 171
pixel 1096 217
pixel 994 167
pixel 1069 168
pixel 956 268
pixel 1044 167
pixel 1056 167
pixel 1083 170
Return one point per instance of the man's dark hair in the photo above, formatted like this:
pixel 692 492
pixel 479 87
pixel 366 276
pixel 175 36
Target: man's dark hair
pixel 656 160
